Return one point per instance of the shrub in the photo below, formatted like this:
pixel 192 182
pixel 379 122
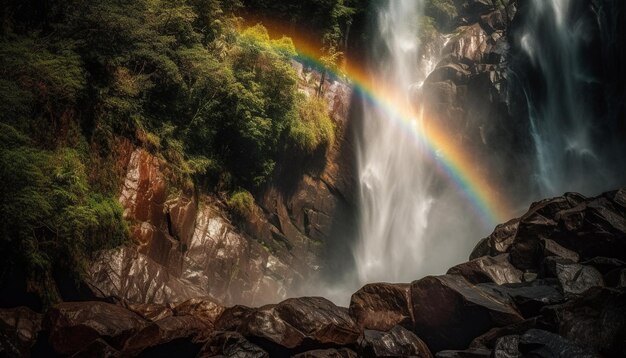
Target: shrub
pixel 241 202
pixel 313 126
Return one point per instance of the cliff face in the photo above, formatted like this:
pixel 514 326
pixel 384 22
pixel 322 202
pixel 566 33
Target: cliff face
pixel 185 245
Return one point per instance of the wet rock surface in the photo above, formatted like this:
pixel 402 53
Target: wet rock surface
pixel 558 307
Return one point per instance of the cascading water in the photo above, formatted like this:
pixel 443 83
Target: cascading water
pixel 394 177
pixel 561 111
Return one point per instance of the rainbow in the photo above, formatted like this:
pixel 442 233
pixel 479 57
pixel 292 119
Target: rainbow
pixel 450 159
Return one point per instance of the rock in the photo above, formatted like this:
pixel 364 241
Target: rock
pixel 575 278
pixel 605 264
pixel 381 306
pixel 507 347
pixel 489 339
pixel 231 344
pixel 551 248
pixel 496 269
pixel 529 297
pixel 468 353
pixel 498 242
pixel 74 325
pixel 398 342
pixel 328 353
pixel 616 278
pixel 205 309
pixel 233 318
pixel 596 319
pixel 98 348
pixel 293 322
pixel 19 329
pixel 150 311
pixel 539 343
pixel 449 311
pixel 165 331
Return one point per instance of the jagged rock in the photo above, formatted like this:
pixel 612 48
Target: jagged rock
pixel 507 347
pixel 616 278
pixel 545 344
pixel 150 311
pixel 397 342
pixel 551 248
pixel 19 328
pixel 529 297
pixel 489 339
pixel 164 331
pixel 605 264
pixel 381 306
pixel 327 353
pixel 467 353
pixel 496 269
pixel 575 278
pixel 498 242
pixel 74 325
pixel 231 344
pixel 233 318
pixel 449 311
pixel 295 321
pixel 98 348
pixel 204 309
pixel 596 319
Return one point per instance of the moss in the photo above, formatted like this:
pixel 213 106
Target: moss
pixel 313 126
pixel 443 12
pixel 241 202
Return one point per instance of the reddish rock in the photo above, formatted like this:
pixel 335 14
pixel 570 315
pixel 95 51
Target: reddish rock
pixel 496 269
pixel 449 311
pixel 74 325
pixel 150 311
pixel 164 331
pixel 19 329
pixel 204 309
pixel 397 342
pixel 381 306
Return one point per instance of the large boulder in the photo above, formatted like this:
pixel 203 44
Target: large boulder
pixel 230 344
pixel 496 269
pixel 397 342
pixel 541 344
pixel 156 335
pixel 529 297
pixel 381 306
pixel 74 325
pixel 449 311
pixel 19 329
pixel 204 309
pixel 576 279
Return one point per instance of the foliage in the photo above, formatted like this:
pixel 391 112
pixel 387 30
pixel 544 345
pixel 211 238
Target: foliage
pixel 241 202
pixel 443 12
pixel 314 127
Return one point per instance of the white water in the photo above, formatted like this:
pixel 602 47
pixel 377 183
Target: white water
pixel 562 123
pixel 394 177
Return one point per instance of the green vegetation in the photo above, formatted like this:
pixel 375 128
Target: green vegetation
pixel 444 12
pixel 183 79
pixel 314 127
pixel 241 202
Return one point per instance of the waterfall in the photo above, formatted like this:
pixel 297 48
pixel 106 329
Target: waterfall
pixel 393 175
pixel 562 117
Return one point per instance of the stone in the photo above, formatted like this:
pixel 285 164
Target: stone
pixel 496 269
pixel 397 342
pixel 467 353
pixel 529 297
pixel 19 330
pixel 230 344
pixel 449 311
pixel 490 339
pixel 498 242
pixel 507 347
pixel 551 248
pixel 381 306
pixel 328 353
pixel 596 320
pixel 98 348
pixel 164 331
pixel 150 311
pixel 576 279
pixel 74 325
pixel 204 309
pixel 539 343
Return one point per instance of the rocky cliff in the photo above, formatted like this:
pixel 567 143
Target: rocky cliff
pixel 186 245
pixel 550 283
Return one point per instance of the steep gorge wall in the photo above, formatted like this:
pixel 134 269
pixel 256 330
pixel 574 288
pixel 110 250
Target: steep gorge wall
pixel 186 245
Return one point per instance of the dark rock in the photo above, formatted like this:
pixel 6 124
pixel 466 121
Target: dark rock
pixel 496 269
pixel 529 297
pixel 164 331
pixel 327 353
pixel 398 342
pixel 150 311
pixel 381 306
pixel 575 278
pixel 98 348
pixel 449 311
pixel 551 248
pixel 233 318
pixel 19 329
pixel 539 343
pixel 605 264
pixel 73 325
pixel 507 347
pixel 298 321
pixel 596 319
pixel 467 353
pixel 489 339
pixel 616 278
pixel 205 309
pixel 231 344
pixel 498 242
